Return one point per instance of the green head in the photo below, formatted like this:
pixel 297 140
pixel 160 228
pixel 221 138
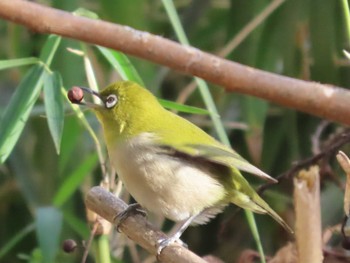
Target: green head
pixel 127 109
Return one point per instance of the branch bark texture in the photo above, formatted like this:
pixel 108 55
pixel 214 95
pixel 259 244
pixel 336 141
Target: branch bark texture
pixel 136 227
pixel 321 100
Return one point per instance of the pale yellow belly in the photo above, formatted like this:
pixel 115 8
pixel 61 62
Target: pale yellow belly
pixel 165 185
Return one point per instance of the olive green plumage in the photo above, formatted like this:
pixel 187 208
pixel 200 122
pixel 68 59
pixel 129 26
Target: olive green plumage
pixel 169 165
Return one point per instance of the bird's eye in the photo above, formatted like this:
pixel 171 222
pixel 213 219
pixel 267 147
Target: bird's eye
pixel 111 101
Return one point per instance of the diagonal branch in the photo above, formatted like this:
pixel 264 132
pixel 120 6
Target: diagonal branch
pixel 136 227
pixel 321 100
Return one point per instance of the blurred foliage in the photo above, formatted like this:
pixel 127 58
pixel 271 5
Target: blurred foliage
pixel 42 193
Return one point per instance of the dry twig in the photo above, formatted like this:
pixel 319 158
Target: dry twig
pixel 329 151
pixel 308 227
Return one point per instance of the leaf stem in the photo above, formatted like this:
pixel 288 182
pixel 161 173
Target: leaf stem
pixel 345 6
pixel 93 135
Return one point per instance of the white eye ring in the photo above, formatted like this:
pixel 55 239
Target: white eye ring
pixel 111 101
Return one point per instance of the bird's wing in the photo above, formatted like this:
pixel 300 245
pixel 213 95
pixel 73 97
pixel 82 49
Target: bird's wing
pixel 221 155
pixel 191 140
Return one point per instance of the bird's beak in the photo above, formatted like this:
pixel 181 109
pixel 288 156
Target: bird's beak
pixel 76 96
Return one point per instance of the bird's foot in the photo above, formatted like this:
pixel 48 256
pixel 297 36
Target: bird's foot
pixel 130 210
pixel 164 242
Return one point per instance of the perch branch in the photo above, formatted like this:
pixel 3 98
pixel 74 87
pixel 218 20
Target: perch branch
pixel 136 227
pixel 321 100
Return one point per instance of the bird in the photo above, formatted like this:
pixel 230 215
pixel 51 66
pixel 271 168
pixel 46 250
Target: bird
pixel 170 166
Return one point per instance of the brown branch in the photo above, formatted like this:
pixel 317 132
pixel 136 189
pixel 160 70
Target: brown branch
pixel 136 227
pixel 314 98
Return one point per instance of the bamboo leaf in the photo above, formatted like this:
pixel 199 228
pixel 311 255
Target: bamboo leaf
pixel 49 49
pixel 85 13
pixel 181 107
pixel 16 238
pixel 11 63
pixel 18 110
pixel 76 223
pixel 122 64
pixel 54 107
pixel 48 230
pixel 74 180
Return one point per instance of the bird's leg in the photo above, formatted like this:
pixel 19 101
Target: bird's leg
pixel 130 210
pixel 175 234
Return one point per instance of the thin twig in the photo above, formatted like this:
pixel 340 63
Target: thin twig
pixel 316 137
pixel 321 100
pixel 331 150
pixel 88 244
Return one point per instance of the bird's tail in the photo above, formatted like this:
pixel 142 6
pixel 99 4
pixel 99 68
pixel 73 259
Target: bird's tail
pixel 256 204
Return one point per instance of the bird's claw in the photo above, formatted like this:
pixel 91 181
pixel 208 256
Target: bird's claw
pixel 130 210
pixel 164 242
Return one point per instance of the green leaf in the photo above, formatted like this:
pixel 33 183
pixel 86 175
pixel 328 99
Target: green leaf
pixel 346 14
pixel 122 64
pixel 182 108
pixel 16 239
pixel 77 224
pixel 71 134
pixel 253 227
pixel 104 249
pixel 254 111
pixel 11 63
pixel 322 29
pixel 18 110
pixel 73 181
pixel 49 49
pixel 48 230
pixel 85 13
pixel 54 106
pixel 277 140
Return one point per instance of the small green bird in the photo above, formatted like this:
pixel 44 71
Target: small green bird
pixel 170 166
